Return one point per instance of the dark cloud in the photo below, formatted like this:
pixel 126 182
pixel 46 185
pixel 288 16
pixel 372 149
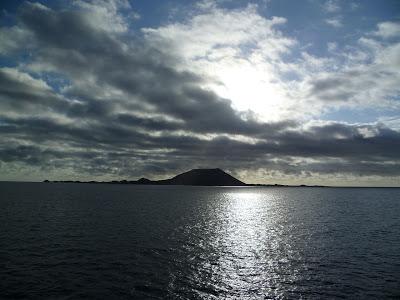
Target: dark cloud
pixel 128 111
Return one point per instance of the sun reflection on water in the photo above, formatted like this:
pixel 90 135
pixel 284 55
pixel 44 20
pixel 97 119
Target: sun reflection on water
pixel 254 251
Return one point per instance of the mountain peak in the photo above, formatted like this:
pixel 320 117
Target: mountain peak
pixel 144 181
pixel 207 177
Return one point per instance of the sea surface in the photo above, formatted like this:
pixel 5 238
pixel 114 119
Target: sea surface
pixel 103 241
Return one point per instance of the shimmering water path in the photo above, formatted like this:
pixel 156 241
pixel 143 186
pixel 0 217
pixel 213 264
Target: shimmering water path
pixel 69 241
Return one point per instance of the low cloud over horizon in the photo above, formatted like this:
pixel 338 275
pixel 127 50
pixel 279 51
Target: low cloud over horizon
pixel 119 89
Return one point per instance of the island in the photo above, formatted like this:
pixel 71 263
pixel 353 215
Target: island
pixel 194 177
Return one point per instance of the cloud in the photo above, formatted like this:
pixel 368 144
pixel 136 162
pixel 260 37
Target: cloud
pixel 223 45
pixel 354 5
pixel 218 28
pixel 334 22
pixel 331 6
pixel 367 79
pixel 388 30
pixel 11 39
pixel 20 94
pixel 131 104
pixel 105 15
pixel 332 46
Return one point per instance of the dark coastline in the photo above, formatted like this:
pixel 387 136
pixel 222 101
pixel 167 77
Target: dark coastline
pixel 203 177
pixel 156 183
pixel 194 177
pixel 126 182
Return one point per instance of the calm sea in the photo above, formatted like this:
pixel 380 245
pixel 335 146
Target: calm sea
pixel 71 241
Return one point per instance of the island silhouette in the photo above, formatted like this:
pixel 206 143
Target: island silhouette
pixel 194 177
pixel 200 177
pixel 206 177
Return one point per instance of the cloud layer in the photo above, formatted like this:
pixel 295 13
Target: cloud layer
pixel 88 97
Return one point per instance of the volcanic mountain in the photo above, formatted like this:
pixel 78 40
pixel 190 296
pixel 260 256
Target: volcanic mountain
pixel 206 177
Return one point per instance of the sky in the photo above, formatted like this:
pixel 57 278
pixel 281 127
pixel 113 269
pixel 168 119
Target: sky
pixel 271 91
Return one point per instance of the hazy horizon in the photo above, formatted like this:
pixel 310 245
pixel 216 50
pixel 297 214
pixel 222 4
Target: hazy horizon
pixel 286 92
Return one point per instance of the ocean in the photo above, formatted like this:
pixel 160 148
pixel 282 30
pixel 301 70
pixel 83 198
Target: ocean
pixel 104 241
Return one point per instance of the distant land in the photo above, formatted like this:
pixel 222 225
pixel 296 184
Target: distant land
pixel 195 177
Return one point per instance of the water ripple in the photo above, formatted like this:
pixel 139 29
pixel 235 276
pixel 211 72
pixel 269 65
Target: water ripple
pixel 85 241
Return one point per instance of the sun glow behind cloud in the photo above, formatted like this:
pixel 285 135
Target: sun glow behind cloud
pixel 239 51
pixel 247 59
pixel 249 88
